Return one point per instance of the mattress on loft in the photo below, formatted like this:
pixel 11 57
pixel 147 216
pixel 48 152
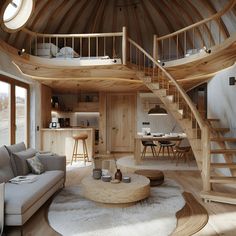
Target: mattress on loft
pixel 90 61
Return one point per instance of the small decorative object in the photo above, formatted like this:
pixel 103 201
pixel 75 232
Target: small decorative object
pixel 115 181
pixel 97 173
pixel 118 175
pixel 126 179
pixel 106 178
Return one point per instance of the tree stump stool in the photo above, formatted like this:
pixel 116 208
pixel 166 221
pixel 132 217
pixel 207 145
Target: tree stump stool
pixel 156 176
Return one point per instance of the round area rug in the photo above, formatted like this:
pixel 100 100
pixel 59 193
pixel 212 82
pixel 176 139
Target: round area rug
pixel 72 214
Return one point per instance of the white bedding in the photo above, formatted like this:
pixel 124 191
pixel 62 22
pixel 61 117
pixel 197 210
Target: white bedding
pixel 89 61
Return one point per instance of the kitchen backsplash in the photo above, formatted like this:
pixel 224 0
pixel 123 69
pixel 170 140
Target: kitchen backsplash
pixel 79 119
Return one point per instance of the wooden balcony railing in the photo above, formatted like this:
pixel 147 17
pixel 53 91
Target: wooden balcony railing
pixel 201 36
pixel 84 45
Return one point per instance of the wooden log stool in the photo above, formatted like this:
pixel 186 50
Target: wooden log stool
pixel 156 176
pixel 84 154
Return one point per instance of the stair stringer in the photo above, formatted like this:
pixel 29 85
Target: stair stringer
pixel 185 124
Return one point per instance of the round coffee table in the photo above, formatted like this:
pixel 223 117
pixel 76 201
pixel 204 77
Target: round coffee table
pixel 107 192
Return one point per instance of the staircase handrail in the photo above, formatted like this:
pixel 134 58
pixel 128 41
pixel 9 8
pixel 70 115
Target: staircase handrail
pixel 228 7
pixel 189 102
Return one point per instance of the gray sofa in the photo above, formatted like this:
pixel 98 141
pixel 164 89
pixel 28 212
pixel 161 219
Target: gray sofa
pixel 23 200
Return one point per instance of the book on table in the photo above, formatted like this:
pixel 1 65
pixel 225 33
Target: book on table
pixel 23 179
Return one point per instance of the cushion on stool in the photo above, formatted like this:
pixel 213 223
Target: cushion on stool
pixel 156 176
pixel 148 143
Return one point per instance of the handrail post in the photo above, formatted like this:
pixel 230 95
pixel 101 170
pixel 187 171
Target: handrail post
pixel 154 48
pixel 124 45
pixel 206 158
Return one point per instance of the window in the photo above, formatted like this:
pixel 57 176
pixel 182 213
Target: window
pixel 12 10
pixel 5 127
pixel 14 111
pixel 16 14
pixel 21 114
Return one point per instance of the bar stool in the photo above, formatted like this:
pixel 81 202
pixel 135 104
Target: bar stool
pixel 84 154
pixel 149 144
pixel 168 145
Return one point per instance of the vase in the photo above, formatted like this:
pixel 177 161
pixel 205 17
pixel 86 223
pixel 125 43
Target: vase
pixel 118 175
pixel 97 173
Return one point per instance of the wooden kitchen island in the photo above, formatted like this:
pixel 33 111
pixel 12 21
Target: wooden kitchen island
pixel 61 141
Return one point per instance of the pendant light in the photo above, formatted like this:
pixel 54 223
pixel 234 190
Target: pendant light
pixel 157 111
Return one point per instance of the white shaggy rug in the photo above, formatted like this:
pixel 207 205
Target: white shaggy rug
pixel 72 214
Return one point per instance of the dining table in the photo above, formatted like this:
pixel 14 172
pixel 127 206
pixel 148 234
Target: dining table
pixel 155 137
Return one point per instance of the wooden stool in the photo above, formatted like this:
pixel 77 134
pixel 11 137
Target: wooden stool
pixel 168 145
pixel 156 176
pixel 181 153
pixel 84 154
pixel 149 144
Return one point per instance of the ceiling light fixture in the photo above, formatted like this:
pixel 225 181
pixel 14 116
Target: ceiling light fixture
pixel 157 111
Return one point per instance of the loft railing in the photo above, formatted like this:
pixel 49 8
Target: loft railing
pixel 83 45
pixel 154 73
pixel 201 36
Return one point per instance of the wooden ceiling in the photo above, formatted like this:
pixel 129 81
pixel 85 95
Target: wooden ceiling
pixel 143 18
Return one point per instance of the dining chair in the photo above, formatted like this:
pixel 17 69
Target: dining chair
pixel 148 144
pixel 182 153
pixel 168 145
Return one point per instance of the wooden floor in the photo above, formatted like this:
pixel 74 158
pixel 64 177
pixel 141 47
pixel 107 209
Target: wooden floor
pixel 222 217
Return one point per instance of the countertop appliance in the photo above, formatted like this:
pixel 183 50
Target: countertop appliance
pixel 54 124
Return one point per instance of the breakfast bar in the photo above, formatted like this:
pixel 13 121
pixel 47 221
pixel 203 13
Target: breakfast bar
pixel 61 140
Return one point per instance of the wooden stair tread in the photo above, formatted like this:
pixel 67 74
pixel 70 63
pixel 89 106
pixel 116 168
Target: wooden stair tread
pixel 224 165
pixel 223 130
pixel 212 119
pixel 223 139
pixel 222 151
pixel 219 197
pixel 223 179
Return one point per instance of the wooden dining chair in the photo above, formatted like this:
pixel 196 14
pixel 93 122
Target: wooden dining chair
pixel 169 146
pixel 148 144
pixel 182 153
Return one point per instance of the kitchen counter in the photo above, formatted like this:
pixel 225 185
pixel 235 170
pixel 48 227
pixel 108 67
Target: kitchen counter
pixel 61 140
pixel 69 128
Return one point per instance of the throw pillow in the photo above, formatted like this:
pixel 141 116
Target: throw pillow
pixel 35 165
pixel 20 161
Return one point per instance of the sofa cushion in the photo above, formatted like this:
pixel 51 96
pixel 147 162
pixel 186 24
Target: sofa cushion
pixel 6 171
pixel 20 161
pixel 35 165
pixel 18 147
pixel 29 194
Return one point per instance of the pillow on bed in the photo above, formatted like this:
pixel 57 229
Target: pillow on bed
pixel 47 49
pixel 67 52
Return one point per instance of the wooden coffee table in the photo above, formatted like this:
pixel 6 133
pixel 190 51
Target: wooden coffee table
pixel 106 192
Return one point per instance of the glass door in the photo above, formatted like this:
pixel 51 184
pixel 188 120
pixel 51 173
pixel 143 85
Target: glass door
pixel 5 116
